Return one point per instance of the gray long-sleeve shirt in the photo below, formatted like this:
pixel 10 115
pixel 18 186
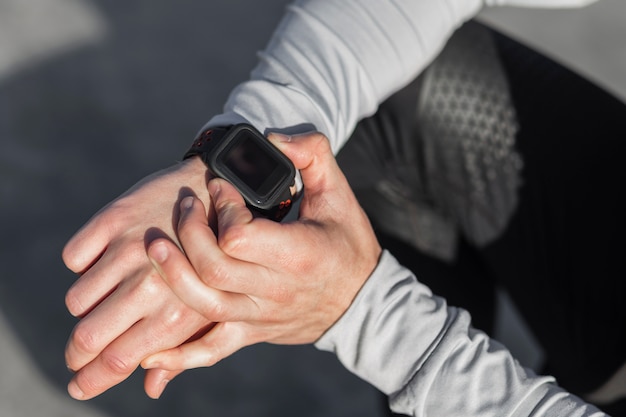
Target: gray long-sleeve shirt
pixel 331 63
pixel 426 356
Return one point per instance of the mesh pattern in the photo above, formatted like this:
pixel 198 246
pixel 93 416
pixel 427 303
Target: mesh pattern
pixel 468 127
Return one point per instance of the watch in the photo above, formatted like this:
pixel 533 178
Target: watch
pixel 263 175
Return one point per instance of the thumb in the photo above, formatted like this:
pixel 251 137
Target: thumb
pixel 312 156
pixel 155 381
pixel 327 194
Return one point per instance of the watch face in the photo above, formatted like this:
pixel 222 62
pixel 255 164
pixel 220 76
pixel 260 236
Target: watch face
pixel 256 164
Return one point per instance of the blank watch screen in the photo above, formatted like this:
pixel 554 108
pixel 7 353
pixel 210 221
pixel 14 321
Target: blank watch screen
pixel 254 165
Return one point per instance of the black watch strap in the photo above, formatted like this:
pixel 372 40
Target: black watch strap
pixel 206 141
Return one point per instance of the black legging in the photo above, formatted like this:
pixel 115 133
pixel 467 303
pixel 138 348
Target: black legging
pixel 560 254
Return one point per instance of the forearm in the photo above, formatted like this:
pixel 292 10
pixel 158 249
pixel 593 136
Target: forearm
pixel 427 358
pixel 331 63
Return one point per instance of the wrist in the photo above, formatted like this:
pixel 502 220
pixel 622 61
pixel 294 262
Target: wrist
pixel 196 175
pixel 195 166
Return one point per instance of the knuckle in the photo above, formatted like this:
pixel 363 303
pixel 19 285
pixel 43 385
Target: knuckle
pixel 216 349
pixel 133 250
pixel 149 288
pixel 84 339
pixel 235 240
pixel 116 364
pixel 179 314
pixel 213 353
pixel 215 274
pixel 215 310
pixel 282 295
pixel 90 386
pixel 174 316
pixel 321 143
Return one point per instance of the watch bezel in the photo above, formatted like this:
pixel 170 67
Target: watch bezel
pixel 286 177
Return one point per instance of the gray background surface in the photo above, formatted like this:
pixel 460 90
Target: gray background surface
pixel 95 95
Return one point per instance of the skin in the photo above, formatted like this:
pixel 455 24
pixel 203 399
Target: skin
pixel 127 312
pixel 261 281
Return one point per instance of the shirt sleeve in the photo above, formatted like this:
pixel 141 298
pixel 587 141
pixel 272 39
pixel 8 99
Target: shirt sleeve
pixel 331 63
pixel 426 356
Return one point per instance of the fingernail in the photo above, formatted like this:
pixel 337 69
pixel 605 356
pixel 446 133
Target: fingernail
pixel 159 252
pixel 162 386
pixel 74 390
pixel 281 137
pixel 214 188
pixel 186 203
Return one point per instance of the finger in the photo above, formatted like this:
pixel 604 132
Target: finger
pixel 118 360
pixel 213 265
pixel 312 155
pixel 91 240
pixel 229 205
pixel 193 226
pixel 132 300
pixel 104 276
pixel 111 318
pixel 156 380
pixel 222 341
pixel 328 196
pixel 239 231
pixel 214 304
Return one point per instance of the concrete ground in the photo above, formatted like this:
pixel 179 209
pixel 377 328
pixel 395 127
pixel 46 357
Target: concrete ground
pixel 94 95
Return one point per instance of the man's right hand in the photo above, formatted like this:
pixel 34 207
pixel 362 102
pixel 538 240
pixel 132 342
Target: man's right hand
pixel 263 281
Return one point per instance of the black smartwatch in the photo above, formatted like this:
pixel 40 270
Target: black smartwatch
pixel 240 154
